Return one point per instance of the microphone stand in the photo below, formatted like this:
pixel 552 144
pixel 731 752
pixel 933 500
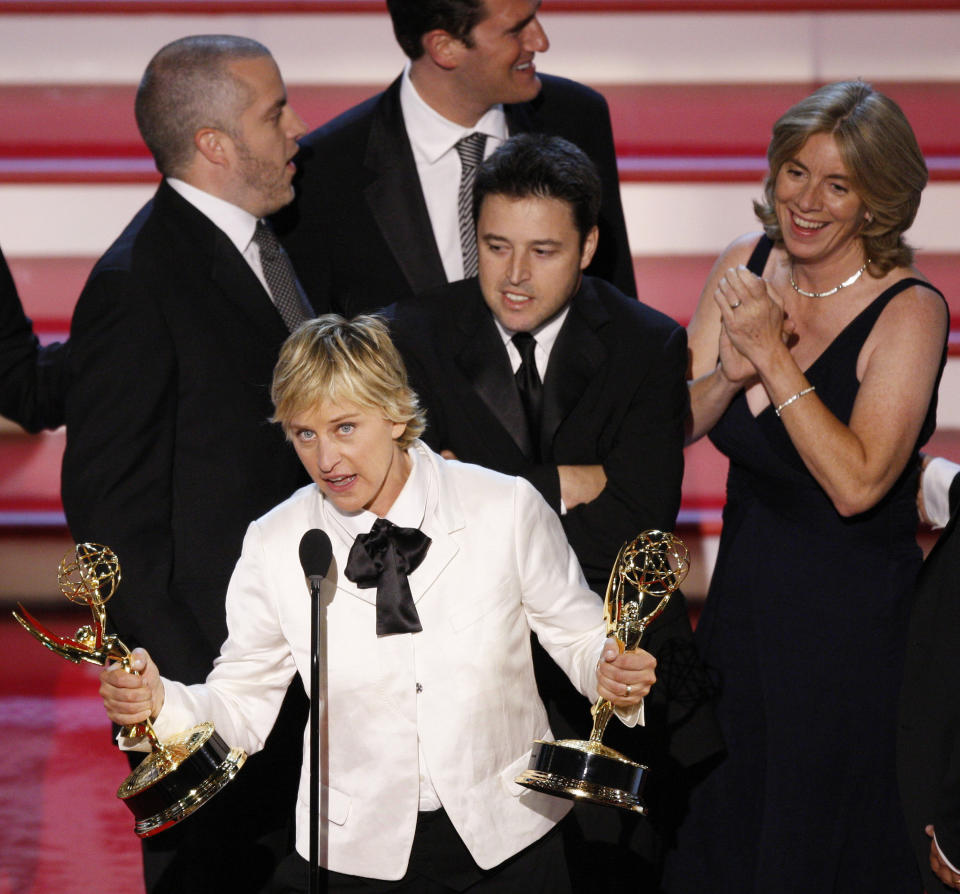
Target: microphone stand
pixel 315 555
pixel 315 627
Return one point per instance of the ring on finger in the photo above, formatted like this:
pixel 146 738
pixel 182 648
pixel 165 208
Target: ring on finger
pixel 735 306
pixel 628 690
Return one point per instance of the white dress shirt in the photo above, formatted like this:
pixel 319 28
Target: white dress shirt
pixel 433 139
pixel 545 337
pixel 237 224
pixel 407 511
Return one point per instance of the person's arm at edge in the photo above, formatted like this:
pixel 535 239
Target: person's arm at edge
pixel 710 390
pixel 33 378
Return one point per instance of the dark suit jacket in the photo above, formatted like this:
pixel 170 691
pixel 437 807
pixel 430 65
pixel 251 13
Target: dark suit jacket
pixel 169 450
pixel 32 378
pixel 614 393
pixel 169 456
pixel 928 744
pixel 359 233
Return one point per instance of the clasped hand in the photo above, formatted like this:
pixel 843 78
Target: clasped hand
pixel 130 698
pixel 624 678
pixel 752 322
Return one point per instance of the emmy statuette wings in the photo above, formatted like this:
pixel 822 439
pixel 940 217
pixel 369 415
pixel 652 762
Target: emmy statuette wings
pixel 647 571
pixel 181 773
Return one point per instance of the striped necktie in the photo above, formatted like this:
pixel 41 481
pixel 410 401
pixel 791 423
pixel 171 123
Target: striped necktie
pixel 470 150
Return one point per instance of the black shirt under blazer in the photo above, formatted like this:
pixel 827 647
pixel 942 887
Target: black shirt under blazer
pixel 358 231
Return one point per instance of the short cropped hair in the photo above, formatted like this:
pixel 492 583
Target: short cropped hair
pixel 880 151
pixel 543 167
pixel 414 18
pixel 187 86
pixel 331 358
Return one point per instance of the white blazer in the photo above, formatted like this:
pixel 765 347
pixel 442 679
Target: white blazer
pixel 498 567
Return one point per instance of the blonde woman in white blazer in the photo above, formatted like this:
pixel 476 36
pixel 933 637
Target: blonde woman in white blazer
pixel 442 718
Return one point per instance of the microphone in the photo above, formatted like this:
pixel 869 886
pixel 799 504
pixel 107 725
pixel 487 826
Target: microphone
pixel 316 553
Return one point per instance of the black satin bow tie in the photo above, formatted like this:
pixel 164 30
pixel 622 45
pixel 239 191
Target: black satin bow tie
pixel 383 559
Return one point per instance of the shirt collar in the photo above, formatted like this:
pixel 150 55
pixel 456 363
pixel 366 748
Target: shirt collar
pixel 545 334
pixel 237 224
pixel 431 135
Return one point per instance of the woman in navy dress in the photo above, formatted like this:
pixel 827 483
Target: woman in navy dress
pixel 816 351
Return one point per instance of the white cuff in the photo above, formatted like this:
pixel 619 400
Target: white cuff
pixel 935 483
pixel 947 863
pixel 142 743
pixel 632 716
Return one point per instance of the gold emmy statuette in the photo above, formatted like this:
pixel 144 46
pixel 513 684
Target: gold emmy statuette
pixel 648 570
pixel 180 774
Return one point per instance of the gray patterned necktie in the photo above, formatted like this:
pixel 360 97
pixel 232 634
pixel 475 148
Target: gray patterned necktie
pixel 278 272
pixel 470 150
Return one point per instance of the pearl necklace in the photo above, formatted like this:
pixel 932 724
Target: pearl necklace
pixel 829 292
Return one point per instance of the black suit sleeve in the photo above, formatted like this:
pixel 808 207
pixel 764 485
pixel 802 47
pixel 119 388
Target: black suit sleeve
pixel 943 669
pixel 954 494
pixel 117 469
pixel 946 821
pixel 580 114
pixel 32 378
pixel 644 467
pixel 613 260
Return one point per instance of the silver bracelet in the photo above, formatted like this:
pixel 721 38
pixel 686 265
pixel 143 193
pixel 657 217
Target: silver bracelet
pixel 792 398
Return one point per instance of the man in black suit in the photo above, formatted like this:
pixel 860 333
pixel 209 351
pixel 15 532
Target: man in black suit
pixel 32 377
pixel 928 743
pixel 594 420
pixel 376 214
pixel 169 450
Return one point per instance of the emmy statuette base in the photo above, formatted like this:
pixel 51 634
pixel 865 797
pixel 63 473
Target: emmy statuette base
pixel 169 785
pixel 585 771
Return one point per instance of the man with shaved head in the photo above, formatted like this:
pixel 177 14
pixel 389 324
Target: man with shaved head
pixel 169 454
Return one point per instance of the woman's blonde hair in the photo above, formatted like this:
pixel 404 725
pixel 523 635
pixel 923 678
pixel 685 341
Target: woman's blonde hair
pixel 331 358
pixel 880 151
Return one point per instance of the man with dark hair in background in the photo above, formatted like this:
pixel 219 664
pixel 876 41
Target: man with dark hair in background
pixel 537 370
pixel 383 207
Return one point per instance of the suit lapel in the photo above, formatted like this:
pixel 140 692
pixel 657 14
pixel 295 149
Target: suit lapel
pixel 442 517
pixel 395 197
pixel 228 270
pixel 577 356
pixel 441 552
pixel 482 357
pixel 522 118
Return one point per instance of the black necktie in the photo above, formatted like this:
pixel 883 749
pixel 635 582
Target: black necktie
pixel 529 386
pixel 470 150
pixel 383 559
pixel 278 272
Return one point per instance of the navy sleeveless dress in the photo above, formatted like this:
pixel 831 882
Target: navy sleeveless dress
pixel 805 628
